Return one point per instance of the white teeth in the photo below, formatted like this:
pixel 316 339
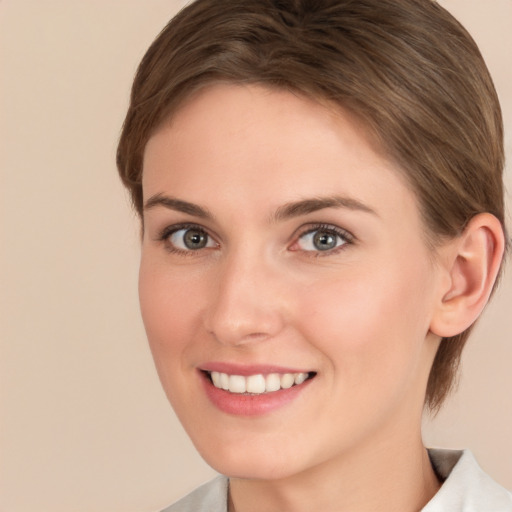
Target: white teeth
pixel 272 382
pixel 216 379
pixel 224 381
pixel 287 380
pixel 257 384
pixel 237 384
pixel 300 377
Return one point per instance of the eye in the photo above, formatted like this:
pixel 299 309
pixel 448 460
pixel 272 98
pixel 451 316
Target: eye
pixel 187 239
pixel 322 239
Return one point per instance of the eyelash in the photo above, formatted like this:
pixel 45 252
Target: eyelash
pixel 343 234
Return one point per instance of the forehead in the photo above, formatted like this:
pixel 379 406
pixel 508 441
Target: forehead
pixel 254 142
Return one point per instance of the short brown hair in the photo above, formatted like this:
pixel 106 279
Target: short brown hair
pixel 407 68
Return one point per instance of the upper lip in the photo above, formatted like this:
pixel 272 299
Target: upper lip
pixel 249 369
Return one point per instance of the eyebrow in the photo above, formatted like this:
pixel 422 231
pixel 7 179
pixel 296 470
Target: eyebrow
pixel 306 206
pixel 284 212
pixel 178 205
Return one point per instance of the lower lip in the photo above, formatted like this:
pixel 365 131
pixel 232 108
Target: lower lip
pixel 241 404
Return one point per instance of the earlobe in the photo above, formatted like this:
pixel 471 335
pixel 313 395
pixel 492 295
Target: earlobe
pixel 472 264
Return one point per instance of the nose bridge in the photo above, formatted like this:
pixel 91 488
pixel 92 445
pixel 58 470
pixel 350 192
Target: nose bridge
pixel 245 306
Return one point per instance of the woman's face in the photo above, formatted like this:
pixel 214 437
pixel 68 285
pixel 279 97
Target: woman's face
pixel 280 245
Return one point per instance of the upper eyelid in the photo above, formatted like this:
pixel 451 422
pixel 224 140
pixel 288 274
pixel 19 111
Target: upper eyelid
pixel 170 229
pixel 309 228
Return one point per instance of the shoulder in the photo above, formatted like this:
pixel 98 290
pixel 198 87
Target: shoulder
pixel 210 497
pixel 466 487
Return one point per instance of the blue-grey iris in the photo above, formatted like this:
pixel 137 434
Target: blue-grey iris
pixel 323 241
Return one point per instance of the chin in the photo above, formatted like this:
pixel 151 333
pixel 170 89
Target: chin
pixel 248 463
pixel 247 468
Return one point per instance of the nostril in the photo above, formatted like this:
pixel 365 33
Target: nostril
pixel 240 334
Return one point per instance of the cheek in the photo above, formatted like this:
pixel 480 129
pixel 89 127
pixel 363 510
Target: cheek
pixel 169 311
pixel 369 321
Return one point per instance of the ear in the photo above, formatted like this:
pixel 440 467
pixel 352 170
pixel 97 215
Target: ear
pixel 471 263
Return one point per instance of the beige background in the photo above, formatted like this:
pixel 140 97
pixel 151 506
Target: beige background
pixel 84 425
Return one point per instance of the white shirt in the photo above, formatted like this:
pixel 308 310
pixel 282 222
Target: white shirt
pixel 466 488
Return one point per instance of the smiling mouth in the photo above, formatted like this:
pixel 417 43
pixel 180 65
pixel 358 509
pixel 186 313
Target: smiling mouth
pixel 257 384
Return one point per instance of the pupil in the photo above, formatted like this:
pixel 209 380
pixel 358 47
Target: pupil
pixel 194 239
pixel 324 241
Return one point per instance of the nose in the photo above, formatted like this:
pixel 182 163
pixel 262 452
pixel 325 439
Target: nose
pixel 246 304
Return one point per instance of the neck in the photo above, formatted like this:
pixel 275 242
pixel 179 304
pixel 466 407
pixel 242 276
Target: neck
pixel 392 475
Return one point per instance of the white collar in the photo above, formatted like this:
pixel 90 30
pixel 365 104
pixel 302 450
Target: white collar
pixel 466 487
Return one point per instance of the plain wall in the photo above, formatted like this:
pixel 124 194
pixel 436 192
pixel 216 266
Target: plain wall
pixel 84 425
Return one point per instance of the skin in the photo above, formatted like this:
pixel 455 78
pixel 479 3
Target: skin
pixel 359 315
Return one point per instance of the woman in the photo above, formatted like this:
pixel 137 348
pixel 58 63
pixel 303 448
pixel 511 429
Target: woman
pixel 320 190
